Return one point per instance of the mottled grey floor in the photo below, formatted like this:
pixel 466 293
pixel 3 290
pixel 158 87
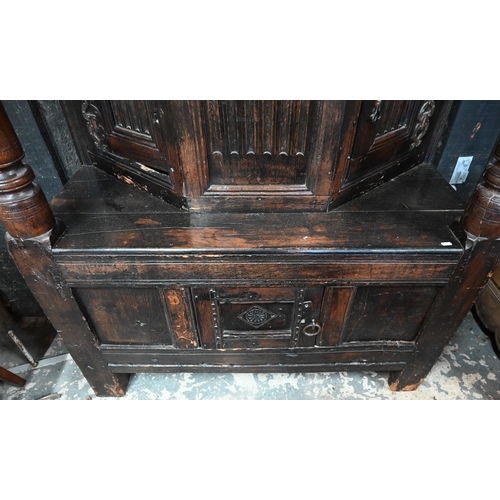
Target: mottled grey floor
pixel 468 369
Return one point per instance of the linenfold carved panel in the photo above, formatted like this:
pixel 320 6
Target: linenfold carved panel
pixel 259 142
pixel 256 155
pixel 258 127
pixel 131 115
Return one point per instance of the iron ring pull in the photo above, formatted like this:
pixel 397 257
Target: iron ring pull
pixel 376 114
pixel 312 329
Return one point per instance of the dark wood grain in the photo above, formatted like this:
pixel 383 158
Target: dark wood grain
pixel 129 360
pixel 32 231
pixel 263 264
pixel 388 313
pixel 125 316
pixel 177 302
pixel 35 261
pixel 257 156
pixel 480 230
pixel 336 308
pixel 24 210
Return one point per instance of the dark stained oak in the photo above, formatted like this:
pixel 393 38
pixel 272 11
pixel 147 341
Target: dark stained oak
pixel 269 236
pixel 24 210
pixel 391 249
pixel 256 156
pixel 480 231
pixel 487 305
pixel 31 232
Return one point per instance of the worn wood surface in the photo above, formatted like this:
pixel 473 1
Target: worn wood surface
pixel 272 284
pixel 107 215
pixel 256 156
pixel 35 261
pixel 24 210
pixel 488 305
pixel 32 230
pixel 140 358
pixel 253 281
pixel 448 312
pixel 480 231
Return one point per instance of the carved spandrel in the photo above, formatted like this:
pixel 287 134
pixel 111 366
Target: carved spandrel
pixel 93 117
pixel 423 122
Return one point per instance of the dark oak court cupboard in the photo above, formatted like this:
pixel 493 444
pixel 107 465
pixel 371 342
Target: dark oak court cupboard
pixel 252 236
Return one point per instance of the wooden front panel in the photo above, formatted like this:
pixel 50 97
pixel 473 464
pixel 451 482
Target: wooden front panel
pixel 335 311
pixel 140 316
pixel 130 131
pixel 384 140
pixel 126 315
pixel 259 142
pixel 128 140
pixel 256 317
pixel 388 313
pixel 258 155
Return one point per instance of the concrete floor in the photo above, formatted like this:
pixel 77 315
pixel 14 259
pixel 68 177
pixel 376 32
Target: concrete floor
pixel 468 369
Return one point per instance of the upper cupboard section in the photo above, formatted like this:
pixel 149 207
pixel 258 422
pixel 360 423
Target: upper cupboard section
pixel 255 155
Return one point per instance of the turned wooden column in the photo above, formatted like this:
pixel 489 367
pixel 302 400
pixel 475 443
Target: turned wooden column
pixel 479 232
pixel 31 232
pixel 24 210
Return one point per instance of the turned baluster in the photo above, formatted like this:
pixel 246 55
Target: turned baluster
pixel 31 232
pixel 24 210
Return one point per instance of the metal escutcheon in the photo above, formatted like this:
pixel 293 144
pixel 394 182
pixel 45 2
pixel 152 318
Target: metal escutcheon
pixel 312 329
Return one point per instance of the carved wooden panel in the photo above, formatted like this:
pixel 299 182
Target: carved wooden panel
pixel 259 142
pixel 130 143
pixel 259 155
pixel 132 133
pixel 132 116
pixel 387 132
pixel 248 156
pixel 256 317
pixel 381 140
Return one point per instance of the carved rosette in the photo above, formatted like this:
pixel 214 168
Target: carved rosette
pixel 24 210
pixel 481 219
pixel 256 316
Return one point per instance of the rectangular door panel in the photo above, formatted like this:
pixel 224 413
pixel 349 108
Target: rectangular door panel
pixel 256 317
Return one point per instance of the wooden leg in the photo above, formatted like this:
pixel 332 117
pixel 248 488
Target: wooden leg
pixel 31 232
pixel 11 377
pixel 480 226
pixel 34 259
pixel 448 312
